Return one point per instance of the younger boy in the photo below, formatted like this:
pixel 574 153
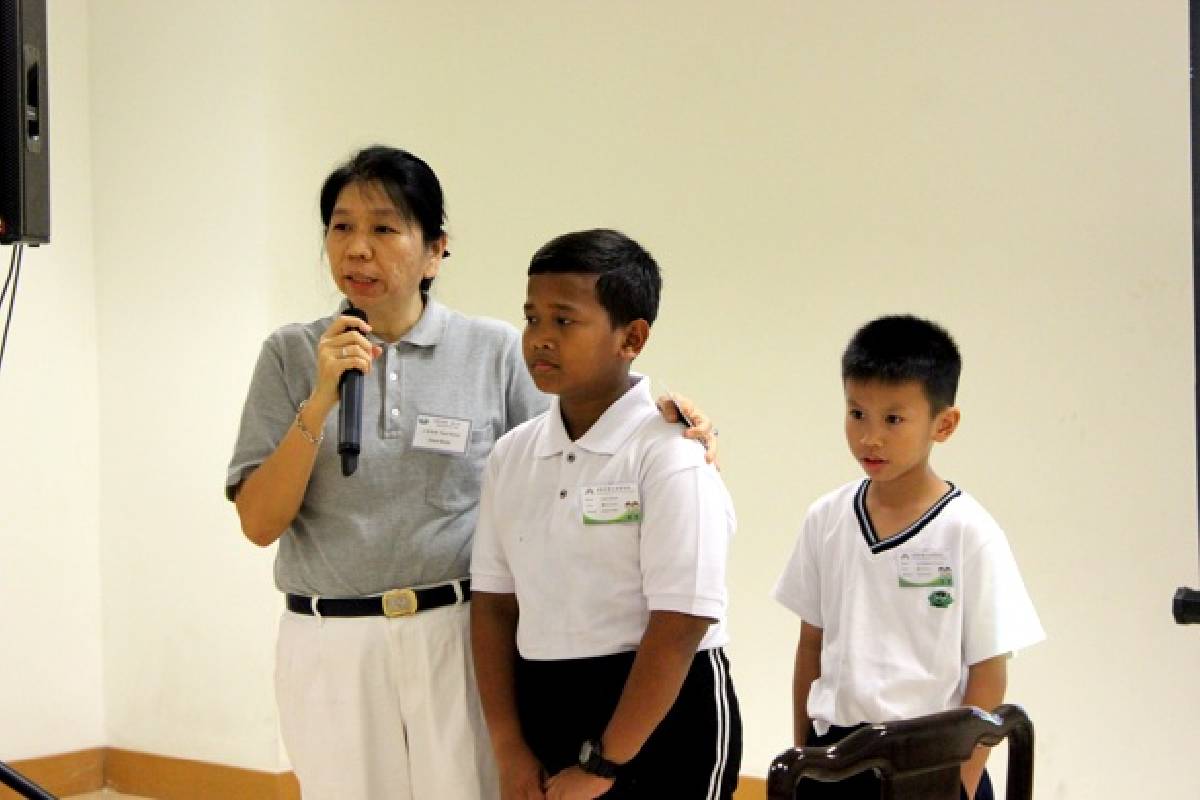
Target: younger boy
pixel 598 571
pixel 909 598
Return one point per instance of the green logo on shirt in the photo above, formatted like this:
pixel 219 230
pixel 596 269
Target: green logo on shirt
pixel 940 599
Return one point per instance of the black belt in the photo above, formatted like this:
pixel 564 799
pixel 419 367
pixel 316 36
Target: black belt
pixel 396 603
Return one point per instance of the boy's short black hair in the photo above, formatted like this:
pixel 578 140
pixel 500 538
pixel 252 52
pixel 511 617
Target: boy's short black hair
pixel 629 282
pixel 901 348
pixel 410 183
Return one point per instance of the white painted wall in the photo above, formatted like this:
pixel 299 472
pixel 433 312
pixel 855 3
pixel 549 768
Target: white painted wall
pixel 1019 172
pixel 180 133
pixel 50 671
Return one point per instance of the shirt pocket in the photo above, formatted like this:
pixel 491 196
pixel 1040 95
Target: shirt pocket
pixel 454 480
pixel 606 548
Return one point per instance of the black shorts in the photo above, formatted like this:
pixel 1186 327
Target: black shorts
pixel 864 785
pixel 694 753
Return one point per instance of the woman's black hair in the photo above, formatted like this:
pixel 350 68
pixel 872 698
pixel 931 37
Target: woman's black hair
pixel 409 182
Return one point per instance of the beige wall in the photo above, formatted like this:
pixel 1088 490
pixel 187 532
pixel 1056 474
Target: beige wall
pixel 1019 172
pixel 51 699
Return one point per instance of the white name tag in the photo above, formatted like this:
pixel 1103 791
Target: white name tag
pixel 925 568
pixel 611 504
pixel 442 434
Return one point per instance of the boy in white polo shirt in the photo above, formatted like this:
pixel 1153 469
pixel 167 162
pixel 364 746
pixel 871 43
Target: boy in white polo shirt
pixel 909 597
pixel 598 570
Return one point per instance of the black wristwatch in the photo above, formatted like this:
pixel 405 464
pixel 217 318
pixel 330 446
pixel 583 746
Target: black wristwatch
pixel 593 762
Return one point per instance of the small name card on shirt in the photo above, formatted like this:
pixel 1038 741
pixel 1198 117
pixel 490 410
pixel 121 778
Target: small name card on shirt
pixel 442 434
pixel 924 568
pixel 611 504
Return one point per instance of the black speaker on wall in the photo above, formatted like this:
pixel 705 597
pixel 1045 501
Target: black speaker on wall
pixel 24 139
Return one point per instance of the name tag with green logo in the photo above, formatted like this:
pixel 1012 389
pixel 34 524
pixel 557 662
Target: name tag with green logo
pixel 923 569
pixel 611 504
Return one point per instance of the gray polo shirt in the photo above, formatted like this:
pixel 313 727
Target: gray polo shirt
pixel 407 515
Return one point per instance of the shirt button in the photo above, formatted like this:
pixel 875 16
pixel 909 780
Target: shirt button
pixel 395 412
pixel 571 457
pixel 562 495
pixel 393 376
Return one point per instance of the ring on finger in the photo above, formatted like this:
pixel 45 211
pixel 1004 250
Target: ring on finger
pixel 343 351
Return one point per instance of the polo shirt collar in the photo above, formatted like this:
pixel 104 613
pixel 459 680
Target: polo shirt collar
pixel 430 326
pixel 606 436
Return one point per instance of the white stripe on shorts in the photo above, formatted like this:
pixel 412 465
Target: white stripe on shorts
pixel 721 700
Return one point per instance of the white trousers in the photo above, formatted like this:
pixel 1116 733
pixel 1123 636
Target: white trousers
pixel 373 708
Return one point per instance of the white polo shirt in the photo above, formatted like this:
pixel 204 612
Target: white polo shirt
pixel 904 617
pixel 592 535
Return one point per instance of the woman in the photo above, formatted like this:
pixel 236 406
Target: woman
pixel 374 679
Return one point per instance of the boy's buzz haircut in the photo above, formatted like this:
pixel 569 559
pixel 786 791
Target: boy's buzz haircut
pixel 629 282
pixel 902 348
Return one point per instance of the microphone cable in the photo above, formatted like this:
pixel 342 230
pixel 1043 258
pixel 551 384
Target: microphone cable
pixel 14 277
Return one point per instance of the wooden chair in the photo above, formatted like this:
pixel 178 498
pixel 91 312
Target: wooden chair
pixel 918 759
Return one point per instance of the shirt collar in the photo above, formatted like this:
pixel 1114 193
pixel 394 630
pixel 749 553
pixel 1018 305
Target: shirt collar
pixel 430 325
pixel 606 436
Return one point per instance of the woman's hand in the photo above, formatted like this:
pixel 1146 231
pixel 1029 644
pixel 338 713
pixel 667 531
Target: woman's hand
pixel 575 784
pixel 700 427
pixel 342 346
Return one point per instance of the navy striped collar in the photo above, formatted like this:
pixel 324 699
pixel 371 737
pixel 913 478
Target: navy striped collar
pixel 878 545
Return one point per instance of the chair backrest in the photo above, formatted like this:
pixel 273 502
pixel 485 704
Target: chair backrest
pixel 918 759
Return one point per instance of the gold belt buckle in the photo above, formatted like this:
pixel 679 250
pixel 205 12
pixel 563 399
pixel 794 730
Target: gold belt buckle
pixel 399 603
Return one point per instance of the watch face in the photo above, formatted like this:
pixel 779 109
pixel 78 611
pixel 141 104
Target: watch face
pixel 591 760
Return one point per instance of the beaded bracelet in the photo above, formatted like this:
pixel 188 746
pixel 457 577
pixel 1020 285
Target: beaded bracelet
pixel 314 440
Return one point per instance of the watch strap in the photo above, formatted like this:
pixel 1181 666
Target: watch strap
pixel 593 762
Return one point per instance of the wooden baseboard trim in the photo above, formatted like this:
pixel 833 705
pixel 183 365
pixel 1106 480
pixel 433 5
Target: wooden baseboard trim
pixel 165 778
pixel 65 774
pixel 149 775
pixel 750 789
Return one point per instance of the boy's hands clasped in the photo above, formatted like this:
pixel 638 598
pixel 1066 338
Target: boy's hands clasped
pixel 521 776
pixel 575 784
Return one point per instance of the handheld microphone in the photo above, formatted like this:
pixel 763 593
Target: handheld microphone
pixel 350 407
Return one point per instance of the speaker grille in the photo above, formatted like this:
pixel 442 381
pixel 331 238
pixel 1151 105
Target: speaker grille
pixel 24 163
pixel 11 189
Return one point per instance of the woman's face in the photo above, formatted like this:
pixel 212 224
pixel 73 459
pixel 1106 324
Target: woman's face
pixel 376 256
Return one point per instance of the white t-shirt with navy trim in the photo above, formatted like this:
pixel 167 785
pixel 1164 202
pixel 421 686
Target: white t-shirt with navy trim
pixel 586 588
pixel 903 618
